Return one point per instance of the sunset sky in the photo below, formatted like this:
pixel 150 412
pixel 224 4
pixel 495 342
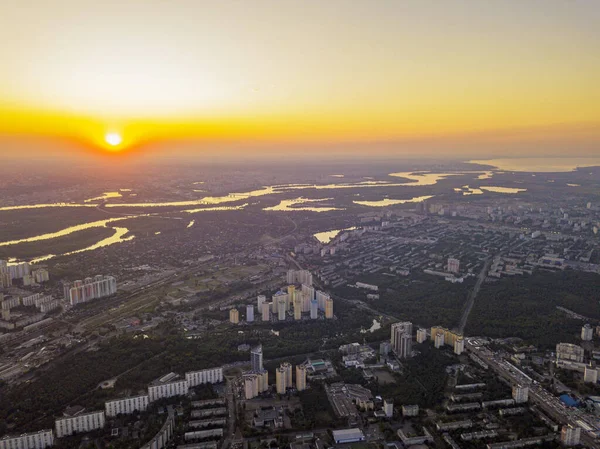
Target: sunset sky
pixel 398 77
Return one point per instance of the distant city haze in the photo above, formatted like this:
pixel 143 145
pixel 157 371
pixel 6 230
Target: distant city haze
pixel 273 78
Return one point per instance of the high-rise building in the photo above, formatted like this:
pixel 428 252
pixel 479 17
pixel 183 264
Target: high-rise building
pixel 41 275
pixel 263 380
pixel 570 436
pixel 459 346
pixel 388 408
pixel 421 335
pixel 291 292
pixel 298 307
pixel 453 265
pixel 314 309
pixel 251 385
pixel 449 336
pixel 277 298
pixel 287 367
pixel 300 377
pixel 256 358
pixel 590 374
pixel 308 294
pixel 91 288
pixel 439 339
pixel 403 346
pixel 299 277
pixel 520 394
pixel 281 309
pixel 587 333
pixel 329 308
pixel 261 299
pixel 385 348
pixel 397 329
pixel 249 313
pixel 280 380
pixel 321 297
pixel 234 316
pixel 266 311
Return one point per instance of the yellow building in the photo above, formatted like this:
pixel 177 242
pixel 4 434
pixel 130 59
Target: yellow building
pixel 280 383
pixel 329 308
pixel 300 377
pixel 450 337
pixel 234 316
pixel 291 296
pixel 298 307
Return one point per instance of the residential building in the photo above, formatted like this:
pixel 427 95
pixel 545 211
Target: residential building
pixel 41 275
pixel 321 298
pixel 410 410
pixel 459 346
pixel 261 299
pixel 403 327
pixel 251 385
pixel 300 377
pixel 314 309
pixel 84 422
pixel 280 380
pixel 250 313
pixel 587 333
pixel 234 316
pixel 568 351
pixel 421 335
pixel 329 308
pixel 570 436
pixel 91 288
pixel 291 296
pixel 33 440
pixel 287 367
pixel 281 309
pixel 256 358
pixel 590 374
pixel 166 388
pixel 205 376
pixel 298 307
pixel 266 311
pixel 453 265
pixel 520 394
pixel 403 347
pixel 388 408
pixel 299 277
pixel 308 294
pixel 439 339
pixel 126 406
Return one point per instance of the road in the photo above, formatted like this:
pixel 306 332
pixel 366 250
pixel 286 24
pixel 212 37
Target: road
pixel 537 394
pixel 473 295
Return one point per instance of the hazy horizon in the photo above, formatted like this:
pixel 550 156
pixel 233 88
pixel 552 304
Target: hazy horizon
pixel 223 80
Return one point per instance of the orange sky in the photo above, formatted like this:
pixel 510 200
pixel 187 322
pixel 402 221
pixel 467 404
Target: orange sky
pixel 394 77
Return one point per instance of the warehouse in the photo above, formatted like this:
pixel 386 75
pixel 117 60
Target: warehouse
pixel 348 436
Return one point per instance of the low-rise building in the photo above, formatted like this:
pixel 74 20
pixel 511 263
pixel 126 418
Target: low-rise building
pixel 348 436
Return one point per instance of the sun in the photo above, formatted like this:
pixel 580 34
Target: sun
pixel 113 139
